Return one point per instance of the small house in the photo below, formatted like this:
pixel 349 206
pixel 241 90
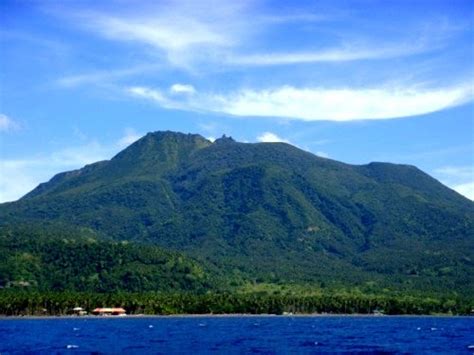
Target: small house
pixel 109 311
pixel 79 311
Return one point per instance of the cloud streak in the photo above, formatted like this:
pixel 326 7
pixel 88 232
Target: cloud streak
pixel 160 32
pixel 459 178
pixel 342 54
pixel 104 76
pixel 224 34
pixel 7 124
pixel 20 176
pixel 316 104
pixel 466 190
pixel 269 137
pixel 182 89
pixel 181 32
pixel 456 172
pixel 129 137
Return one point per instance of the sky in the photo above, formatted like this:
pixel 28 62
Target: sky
pixel 354 81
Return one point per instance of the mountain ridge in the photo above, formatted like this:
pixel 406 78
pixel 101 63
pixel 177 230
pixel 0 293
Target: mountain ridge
pixel 364 168
pixel 267 210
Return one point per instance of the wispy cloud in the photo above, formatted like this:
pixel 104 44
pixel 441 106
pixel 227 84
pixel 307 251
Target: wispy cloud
pixel 104 76
pixel 130 136
pixel 7 124
pixel 345 53
pixel 168 30
pixel 269 137
pixel 182 89
pixel 459 178
pixel 181 31
pixel 40 42
pixel 456 172
pixel 19 176
pixel 322 154
pixel 213 129
pixel 466 189
pixel 153 95
pixel 223 33
pixel 315 104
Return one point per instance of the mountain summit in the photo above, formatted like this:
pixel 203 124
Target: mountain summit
pixel 267 210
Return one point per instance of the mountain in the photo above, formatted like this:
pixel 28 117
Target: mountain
pixel 267 212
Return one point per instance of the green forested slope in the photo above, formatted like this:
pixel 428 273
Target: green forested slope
pixel 62 259
pixel 269 212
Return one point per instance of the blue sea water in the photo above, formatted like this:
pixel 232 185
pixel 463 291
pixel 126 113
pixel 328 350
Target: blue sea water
pixel 237 335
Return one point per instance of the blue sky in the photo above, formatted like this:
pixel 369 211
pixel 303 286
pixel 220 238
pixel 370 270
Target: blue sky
pixel 355 81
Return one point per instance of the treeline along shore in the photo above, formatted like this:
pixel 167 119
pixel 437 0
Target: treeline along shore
pixel 47 273
pixel 14 303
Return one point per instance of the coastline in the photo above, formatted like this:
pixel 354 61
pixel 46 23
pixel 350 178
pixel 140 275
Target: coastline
pixel 233 315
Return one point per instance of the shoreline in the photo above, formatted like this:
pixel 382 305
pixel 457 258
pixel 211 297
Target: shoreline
pixel 231 315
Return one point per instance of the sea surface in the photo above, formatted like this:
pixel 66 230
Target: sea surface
pixel 237 335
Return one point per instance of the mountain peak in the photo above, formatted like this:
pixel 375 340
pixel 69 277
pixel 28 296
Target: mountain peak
pixel 162 146
pixel 224 140
pixel 171 135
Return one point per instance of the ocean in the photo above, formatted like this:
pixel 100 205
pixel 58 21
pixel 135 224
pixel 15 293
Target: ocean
pixel 238 335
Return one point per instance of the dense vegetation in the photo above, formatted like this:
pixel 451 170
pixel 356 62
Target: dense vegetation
pixel 177 213
pixel 34 303
pixel 38 259
pixel 49 271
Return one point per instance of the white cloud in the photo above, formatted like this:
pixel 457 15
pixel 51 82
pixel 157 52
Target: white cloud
pixel 182 89
pixel 128 138
pixel 104 76
pixel 459 178
pixel 151 94
pixel 223 33
pixel 315 104
pixel 20 176
pixel 164 31
pixel 466 190
pixel 456 172
pixel 322 154
pixel 269 137
pixel 7 124
pixel 78 156
pixel 343 54
pixel 182 31
pixel 339 104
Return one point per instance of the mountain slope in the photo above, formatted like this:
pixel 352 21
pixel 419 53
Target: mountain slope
pixel 269 211
pixel 63 259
